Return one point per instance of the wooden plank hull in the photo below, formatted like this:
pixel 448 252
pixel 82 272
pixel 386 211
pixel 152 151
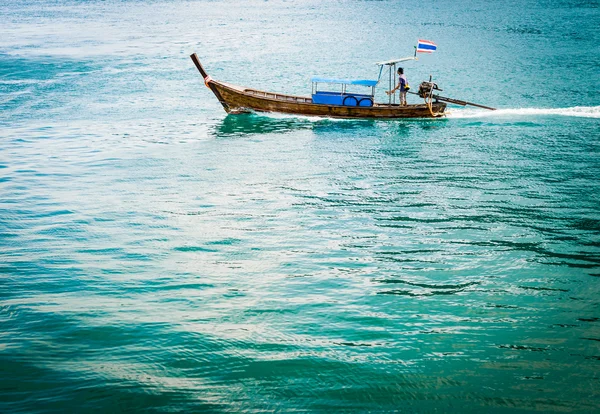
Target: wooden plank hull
pixel 237 99
pixel 240 100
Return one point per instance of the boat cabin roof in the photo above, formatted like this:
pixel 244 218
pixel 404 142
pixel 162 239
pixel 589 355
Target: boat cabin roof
pixel 361 82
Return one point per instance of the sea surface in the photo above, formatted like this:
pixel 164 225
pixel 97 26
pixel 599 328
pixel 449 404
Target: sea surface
pixel 158 255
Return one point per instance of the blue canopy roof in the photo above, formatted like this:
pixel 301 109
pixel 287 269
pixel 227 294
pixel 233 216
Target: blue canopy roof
pixel 362 82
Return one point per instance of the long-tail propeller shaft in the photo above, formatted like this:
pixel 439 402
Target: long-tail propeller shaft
pixel 426 91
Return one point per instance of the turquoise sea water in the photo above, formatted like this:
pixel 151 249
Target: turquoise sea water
pixel 157 255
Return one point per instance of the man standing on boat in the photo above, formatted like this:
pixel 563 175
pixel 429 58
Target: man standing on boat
pixel 402 85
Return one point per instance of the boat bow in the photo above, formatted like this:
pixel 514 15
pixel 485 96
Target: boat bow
pixel 209 82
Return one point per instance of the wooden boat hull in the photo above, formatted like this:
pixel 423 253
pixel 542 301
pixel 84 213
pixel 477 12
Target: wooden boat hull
pixel 237 99
pixel 240 100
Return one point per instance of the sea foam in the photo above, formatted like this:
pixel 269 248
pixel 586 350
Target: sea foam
pixel 576 111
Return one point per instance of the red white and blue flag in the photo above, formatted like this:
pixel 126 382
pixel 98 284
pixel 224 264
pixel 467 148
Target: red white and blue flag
pixel 426 46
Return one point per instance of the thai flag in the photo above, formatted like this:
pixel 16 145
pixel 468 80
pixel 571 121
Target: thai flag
pixel 426 46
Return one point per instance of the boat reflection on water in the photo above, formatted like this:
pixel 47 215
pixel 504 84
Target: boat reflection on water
pixel 251 124
pixel 247 124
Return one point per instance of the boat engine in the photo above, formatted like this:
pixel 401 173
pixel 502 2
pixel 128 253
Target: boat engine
pixel 426 92
pixel 426 89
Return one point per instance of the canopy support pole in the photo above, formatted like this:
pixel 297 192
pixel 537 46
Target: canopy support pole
pixel 380 71
pixel 394 82
pixel 390 89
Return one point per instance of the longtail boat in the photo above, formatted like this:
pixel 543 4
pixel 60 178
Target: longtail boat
pixel 340 104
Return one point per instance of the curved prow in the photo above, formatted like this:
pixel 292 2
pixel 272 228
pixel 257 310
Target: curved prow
pixel 208 81
pixel 199 65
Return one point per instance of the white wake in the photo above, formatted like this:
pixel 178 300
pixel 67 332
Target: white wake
pixel 577 111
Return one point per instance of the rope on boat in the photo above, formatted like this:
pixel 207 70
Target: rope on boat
pixel 430 107
pixel 206 80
